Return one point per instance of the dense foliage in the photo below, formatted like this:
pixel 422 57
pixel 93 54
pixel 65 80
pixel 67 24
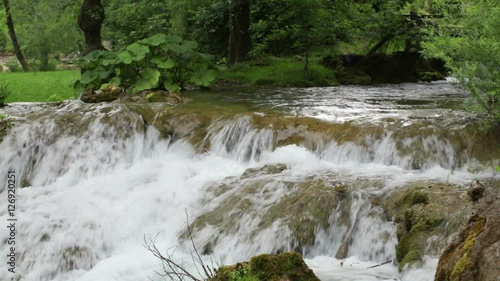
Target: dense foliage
pixel 468 39
pixel 157 62
pixel 46 30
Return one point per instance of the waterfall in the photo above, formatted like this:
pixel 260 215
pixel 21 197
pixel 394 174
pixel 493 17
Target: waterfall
pixel 95 180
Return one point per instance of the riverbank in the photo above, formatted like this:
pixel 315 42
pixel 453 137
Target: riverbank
pixel 265 72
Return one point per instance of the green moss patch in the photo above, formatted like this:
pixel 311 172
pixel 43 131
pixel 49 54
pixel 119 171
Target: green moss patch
pixel 457 262
pixel 423 210
pixel 282 267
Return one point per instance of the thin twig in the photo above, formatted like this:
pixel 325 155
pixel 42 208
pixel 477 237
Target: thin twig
pixel 170 268
pixel 200 260
pixel 379 264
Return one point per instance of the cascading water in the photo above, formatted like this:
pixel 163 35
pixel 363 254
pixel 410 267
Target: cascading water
pixel 94 180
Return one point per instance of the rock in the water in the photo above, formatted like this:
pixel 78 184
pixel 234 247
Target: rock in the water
pixel 267 169
pixel 474 254
pixel 424 210
pixel 282 267
pixel 107 95
pixel 475 190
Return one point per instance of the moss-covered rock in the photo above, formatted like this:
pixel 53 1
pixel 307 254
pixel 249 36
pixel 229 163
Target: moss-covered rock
pixel 424 210
pixel 429 213
pixel 354 76
pixel 475 191
pixel 266 169
pixel 474 253
pixel 109 94
pixel 5 124
pixel 457 262
pixel 429 76
pixel 282 267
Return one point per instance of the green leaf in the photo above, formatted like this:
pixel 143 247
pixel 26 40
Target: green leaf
pixel 155 40
pixel 172 87
pixel 151 74
pixel 207 58
pixel 177 48
pixel 190 44
pixel 95 55
pixel 115 81
pixel 203 76
pixel 89 76
pixel 498 168
pixel 102 72
pixel 139 50
pixel 125 57
pixel 79 88
pixel 107 62
pixel 104 86
pixel 149 80
pixel 174 39
pixel 163 62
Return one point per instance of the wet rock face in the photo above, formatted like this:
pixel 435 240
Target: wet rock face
pixel 475 190
pixel 282 267
pixel 3 127
pixel 107 95
pixel 474 254
pixel 300 208
pixel 424 210
pixel 267 169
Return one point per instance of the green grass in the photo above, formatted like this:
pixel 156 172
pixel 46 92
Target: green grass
pixel 39 86
pixel 280 72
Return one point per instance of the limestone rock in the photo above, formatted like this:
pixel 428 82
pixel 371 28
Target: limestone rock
pixel 267 169
pixel 424 210
pixel 475 190
pixel 107 95
pixel 282 267
pixel 474 254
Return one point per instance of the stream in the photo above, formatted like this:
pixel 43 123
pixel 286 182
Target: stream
pixel 253 171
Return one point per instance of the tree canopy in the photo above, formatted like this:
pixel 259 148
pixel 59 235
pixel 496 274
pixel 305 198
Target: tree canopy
pixel 467 38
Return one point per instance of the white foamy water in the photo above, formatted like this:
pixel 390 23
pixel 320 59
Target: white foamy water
pixel 96 188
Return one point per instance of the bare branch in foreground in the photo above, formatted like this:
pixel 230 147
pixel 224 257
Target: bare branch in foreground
pixel 171 269
pixel 176 271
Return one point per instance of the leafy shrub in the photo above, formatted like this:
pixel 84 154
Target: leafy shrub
pixel 3 42
pixel 13 65
pixel 157 62
pixel 4 93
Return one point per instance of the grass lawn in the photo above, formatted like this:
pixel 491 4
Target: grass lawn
pixel 39 86
pixel 281 72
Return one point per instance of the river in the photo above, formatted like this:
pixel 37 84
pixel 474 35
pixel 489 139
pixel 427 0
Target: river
pixel 96 180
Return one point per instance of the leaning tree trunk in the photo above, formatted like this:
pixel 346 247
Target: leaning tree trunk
pixel 13 37
pixel 90 21
pixel 239 30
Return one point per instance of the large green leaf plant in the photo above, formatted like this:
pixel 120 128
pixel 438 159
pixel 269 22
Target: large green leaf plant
pixel 158 62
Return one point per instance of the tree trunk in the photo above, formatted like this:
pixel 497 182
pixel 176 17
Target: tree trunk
pixel 239 30
pixel 13 37
pixel 90 21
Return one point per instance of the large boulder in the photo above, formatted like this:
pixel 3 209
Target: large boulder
pixel 282 267
pixel 429 214
pixel 474 254
pixel 422 211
